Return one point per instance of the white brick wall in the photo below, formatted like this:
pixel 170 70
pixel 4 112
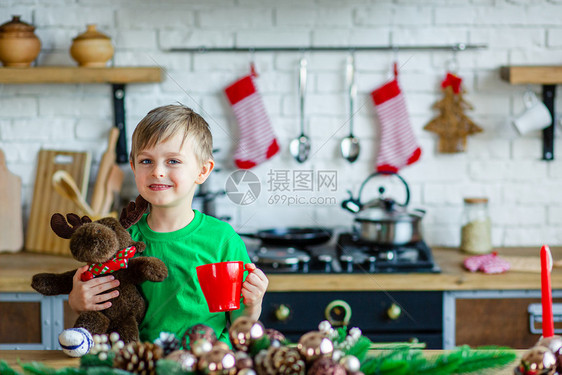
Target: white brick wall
pixel 524 192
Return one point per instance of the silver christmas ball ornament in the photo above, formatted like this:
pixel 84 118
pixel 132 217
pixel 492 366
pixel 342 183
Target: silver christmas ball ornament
pixel 351 363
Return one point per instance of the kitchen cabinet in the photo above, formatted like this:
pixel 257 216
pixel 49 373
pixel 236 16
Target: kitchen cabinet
pixel 32 321
pixel 478 318
pixel 434 301
pixel 116 76
pixel 398 317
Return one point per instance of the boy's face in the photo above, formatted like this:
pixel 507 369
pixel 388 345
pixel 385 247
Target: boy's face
pixel 167 174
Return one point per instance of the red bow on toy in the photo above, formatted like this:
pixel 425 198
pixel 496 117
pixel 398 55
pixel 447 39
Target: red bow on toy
pixel 120 260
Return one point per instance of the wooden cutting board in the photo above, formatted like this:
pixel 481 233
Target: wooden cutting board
pixel 527 264
pixel 11 225
pixel 46 201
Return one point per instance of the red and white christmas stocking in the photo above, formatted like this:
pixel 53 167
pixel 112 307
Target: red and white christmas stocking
pixel 398 146
pixel 257 139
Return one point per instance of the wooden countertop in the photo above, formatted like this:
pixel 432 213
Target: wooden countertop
pixel 57 359
pixel 17 269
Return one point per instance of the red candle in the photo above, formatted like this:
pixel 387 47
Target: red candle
pixel 546 292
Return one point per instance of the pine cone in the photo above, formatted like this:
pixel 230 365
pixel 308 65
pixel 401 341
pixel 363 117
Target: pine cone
pixel 325 366
pixel 168 342
pixel 138 358
pixel 279 361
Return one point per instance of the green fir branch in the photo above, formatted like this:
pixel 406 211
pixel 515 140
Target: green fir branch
pixel 485 358
pixel 360 348
pixel 101 370
pixel 5 369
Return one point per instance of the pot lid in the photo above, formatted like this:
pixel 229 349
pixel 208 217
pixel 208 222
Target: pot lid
pixel 16 26
pixel 377 214
pixel 396 214
pixel 91 33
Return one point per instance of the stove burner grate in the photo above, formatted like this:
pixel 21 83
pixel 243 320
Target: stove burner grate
pixel 347 255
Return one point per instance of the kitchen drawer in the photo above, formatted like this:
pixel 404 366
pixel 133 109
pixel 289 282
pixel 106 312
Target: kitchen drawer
pixel 491 321
pixel 493 317
pixel 20 322
pixel 295 313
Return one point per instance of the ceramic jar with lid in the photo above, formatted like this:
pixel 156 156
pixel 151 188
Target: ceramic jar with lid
pixel 19 45
pixel 91 48
pixel 476 231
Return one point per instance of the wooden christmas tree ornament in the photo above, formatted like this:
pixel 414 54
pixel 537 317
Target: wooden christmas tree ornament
pixel 452 125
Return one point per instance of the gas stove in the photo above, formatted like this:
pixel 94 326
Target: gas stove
pixel 347 254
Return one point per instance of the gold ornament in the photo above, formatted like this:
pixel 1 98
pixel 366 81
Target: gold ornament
pixel 201 346
pixel 313 345
pixel 244 331
pixel 243 360
pixel 217 361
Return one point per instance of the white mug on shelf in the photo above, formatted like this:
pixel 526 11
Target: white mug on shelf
pixel 535 116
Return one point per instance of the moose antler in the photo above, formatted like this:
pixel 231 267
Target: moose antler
pixel 133 212
pixel 60 226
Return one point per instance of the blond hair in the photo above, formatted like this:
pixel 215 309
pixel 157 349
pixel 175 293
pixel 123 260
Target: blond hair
pixel 161 123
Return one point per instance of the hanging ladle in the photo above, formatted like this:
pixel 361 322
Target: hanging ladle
pixel 350 145
pixel 300 146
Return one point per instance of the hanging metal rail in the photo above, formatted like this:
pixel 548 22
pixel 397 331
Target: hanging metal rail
pixel 451 47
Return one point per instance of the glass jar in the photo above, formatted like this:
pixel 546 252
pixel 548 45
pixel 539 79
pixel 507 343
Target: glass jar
pixel 476 231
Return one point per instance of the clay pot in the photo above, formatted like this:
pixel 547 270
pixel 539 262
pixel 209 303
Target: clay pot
pixel 91 48
pixel 19 45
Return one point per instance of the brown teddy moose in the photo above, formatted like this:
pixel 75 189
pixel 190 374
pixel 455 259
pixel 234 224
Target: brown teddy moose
pixel 107 246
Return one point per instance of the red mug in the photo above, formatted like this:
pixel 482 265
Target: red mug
pixel 222 284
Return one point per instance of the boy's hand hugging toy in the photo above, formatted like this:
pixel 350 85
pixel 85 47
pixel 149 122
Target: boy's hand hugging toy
pixel 107 246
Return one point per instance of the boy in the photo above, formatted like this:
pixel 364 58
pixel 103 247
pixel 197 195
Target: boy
pixel 171 154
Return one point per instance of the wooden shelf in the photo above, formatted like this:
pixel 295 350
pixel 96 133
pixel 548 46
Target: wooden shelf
pixel 68 74
pixel 542 75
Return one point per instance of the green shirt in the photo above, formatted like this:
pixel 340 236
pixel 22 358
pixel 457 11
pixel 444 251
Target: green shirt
pixel 177 303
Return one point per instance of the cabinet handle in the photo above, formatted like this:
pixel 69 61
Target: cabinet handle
pixel 338 313
pixel 394 311
pixel 282 313
pixel 535 316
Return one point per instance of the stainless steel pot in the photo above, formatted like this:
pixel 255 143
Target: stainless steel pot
pixel 384 221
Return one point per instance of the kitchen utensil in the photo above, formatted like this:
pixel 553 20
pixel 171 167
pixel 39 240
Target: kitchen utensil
pixel 349 146
pixel 292 236
pixel 221 284
pixel 66 186
pixel 91 48
pixel 382 220
pixel 46 201
pixel 535 116
pixel 300 146
pixel 19 45
pixel 112 188
pixel 106 163
pixel 11 226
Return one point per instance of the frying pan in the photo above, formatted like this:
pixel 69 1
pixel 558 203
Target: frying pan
pixel 292 236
